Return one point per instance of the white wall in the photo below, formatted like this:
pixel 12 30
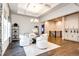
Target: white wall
pixel 25 25
pixel 4 46
pixel 5 38
pixel 69 8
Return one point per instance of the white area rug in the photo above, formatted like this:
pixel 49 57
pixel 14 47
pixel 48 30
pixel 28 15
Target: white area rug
pixel 32 50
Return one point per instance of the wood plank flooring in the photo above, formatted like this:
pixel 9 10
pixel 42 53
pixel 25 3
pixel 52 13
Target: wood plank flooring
pixel 68 48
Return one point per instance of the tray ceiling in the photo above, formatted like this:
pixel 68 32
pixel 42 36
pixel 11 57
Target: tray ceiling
pixel 32 9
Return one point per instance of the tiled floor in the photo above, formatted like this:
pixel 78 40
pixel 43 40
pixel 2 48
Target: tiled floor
pixel 15 50
pixel 68 48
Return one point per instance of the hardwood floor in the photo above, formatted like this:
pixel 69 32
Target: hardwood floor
pixel 68 48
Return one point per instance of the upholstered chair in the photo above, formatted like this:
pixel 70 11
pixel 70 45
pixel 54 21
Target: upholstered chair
pixel 42 41
pixel 24 40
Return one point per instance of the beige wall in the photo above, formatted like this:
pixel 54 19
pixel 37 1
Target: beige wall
pixel 54 25
pixel 70 22
pixel 49 26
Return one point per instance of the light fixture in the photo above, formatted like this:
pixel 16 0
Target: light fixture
pixel 35 20
pixel 32 20
pixel 59 23
pixel 46 22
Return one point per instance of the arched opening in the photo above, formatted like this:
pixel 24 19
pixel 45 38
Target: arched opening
pixel 15 32
pixel 15 25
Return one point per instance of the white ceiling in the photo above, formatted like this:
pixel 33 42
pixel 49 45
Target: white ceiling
pixel 32 9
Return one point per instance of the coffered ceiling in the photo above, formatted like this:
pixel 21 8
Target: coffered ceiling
pixel 32 9
pixel 36 9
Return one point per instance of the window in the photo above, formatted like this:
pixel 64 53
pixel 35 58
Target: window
pixel 6 30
